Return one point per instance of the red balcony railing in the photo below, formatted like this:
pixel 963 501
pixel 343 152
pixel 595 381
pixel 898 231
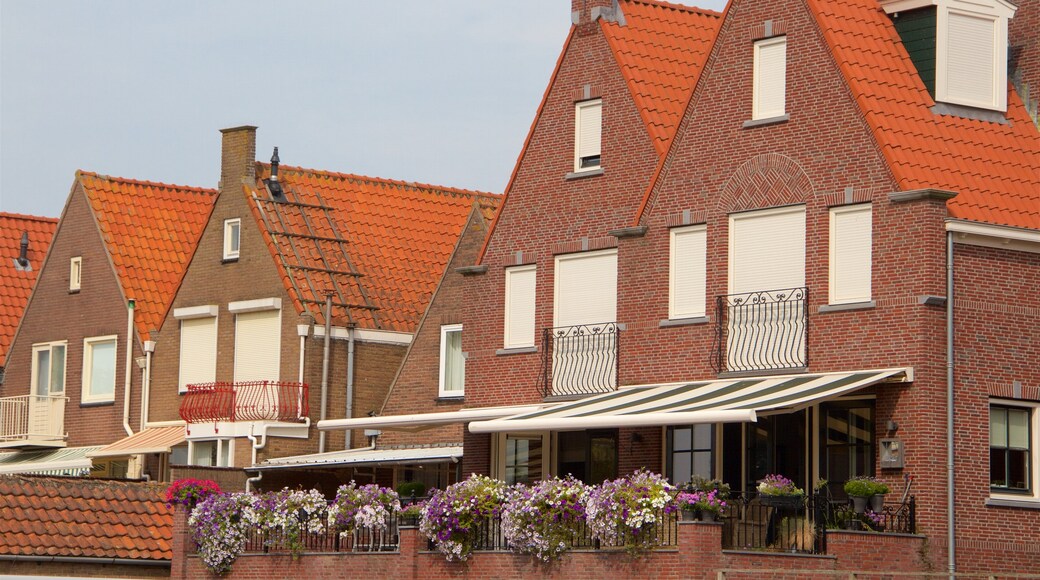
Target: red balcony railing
pixel 245 401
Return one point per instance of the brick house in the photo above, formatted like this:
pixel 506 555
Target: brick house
pixel 116 260
pixel 288 253
pixel 826 273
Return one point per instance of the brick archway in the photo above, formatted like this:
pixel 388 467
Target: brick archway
pixel 763 181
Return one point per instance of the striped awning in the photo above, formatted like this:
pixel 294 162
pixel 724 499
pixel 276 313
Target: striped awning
pixel 721 401
pixel 67 461
pixel 361 457
pixel 151 440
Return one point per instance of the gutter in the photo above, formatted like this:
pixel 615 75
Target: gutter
pixel 350 385
pixel 129 359
pixel 85 560
pixel 146 382
pixel 325 369
pixel 950 490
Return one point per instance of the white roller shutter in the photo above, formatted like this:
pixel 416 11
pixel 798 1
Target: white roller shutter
pixel 257 345
pixel 687 272
pixel 519 319
pixel 770 82
pixel 589 125
pixel 767 250
pixel 198 352
pixel 586 288
pixel 850 254
pixel 970 58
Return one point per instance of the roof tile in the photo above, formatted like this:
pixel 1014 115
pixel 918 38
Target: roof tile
pixel 15 282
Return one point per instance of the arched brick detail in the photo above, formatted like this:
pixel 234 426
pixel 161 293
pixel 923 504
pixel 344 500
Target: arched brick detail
pixel 764 181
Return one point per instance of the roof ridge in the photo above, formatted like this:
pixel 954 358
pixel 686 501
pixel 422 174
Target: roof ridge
pixel 25 216
pixel 675 6
pixel 130 180
pixel 383 180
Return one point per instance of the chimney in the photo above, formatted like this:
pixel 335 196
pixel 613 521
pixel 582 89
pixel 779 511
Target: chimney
pixel 585 12
pixel 273 185
pixel 237 156
pixel 21 263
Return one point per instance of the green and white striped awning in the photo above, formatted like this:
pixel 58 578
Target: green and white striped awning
pixel 722 401
pixel 66 461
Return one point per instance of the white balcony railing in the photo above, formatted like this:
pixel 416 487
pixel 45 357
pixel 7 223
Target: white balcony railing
pixel 32 419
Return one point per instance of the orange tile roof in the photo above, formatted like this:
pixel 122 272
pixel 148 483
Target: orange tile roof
pixel 661 51
pixel 993 167
pixel 397 236
pixel 45 516
pixel 151 231
pixel 16 283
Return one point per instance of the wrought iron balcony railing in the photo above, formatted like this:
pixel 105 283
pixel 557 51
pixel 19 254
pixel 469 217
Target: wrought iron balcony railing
pixel 32 419
pixel 245 401
pixel 580 360
pixel 766 330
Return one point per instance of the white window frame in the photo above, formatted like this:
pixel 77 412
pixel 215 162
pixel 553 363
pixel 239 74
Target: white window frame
pixel 943 91
pixel 499 444
pixel 799 208
pixel 230 227
pixel 509 341
pixel 49 346
pixel 833 274
pixel 556 287
pixel 75 273
pixel 87 395
pixel 182 386
pixel 1034 449
pixel 443 389
pixel 757 112
pixel 580 109
pixel 225 451
pixel 676 262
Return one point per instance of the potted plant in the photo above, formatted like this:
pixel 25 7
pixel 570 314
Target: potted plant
pixel 687 501
pixel 863 489
pixel 779 492
pixel 709 504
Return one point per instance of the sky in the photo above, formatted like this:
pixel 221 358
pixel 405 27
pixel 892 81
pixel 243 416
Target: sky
pixel 433 91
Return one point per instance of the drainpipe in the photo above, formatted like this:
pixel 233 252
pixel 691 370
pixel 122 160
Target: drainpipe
pixel 303 330
pixel 350 383
pixel 129 359
pixel 146 382
pixel 950 490
pixel 325 368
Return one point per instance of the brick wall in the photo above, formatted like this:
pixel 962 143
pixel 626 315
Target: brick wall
pixel 1024 41
pixel 54 314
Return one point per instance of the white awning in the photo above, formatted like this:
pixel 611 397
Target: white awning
pixel 720 401
pixel 421 421
pixel 151 440
pixel 68 461
pixel 357 457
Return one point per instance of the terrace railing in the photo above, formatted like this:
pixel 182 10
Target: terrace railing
pixel 580 360
pixel 766 330
pixel 245 401
pixel 32 419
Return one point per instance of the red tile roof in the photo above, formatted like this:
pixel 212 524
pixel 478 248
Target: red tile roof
pixel 993 167
pixel 15 282
pixel 661 51
pixel 151 231
pixel 397 236
pixel 43 516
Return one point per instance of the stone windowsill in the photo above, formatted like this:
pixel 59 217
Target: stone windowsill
pixel 846 307
pixel 518 350
pixel 583 174
pixel 694 320
pixel 766 122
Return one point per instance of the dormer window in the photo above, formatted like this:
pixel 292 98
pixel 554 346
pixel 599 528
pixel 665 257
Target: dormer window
pixel 959 48
pixel 588 128
pixel 232 233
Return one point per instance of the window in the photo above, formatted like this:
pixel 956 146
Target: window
pixel 690 452
pixel 519 311
pixel 524 458
pixel 1011 448
pixel 198 362
pixel 850 254
pixel 847 442
pixel 212 453
pixel 75 273
pixel 232 234
pixel 588 128
pixel 590 456
pixel 99 369
pixel 453 362
pixel 687 272
pixel 958 48
pixel 770 78
pixel 767 249
pixel 48 370
pixel 258 346
pixel 586 288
